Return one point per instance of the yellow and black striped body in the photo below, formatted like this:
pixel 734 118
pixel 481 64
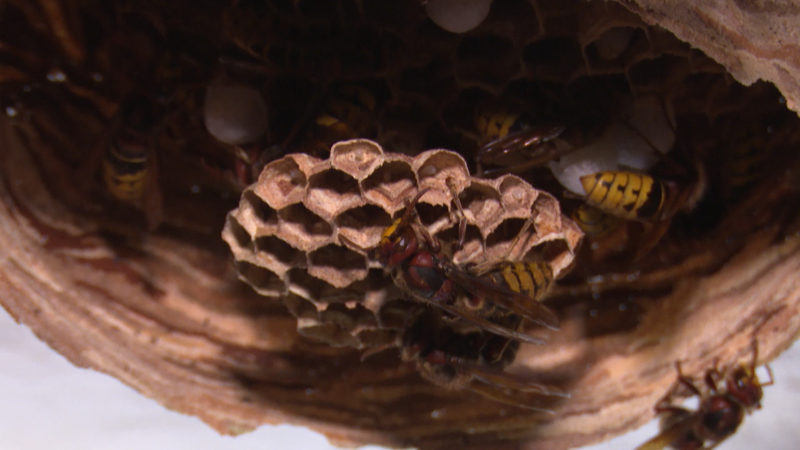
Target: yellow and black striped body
pixel 386 235
pixel 125 171
pixel 497 124
pixel 349 112
pixel 510 141
pixel 629 195
pixel 744 166
pixel 127 162
pixel 531 279
pixel 594 222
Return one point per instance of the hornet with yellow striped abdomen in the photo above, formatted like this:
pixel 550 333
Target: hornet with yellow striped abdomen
pixel 594 222
pixel 347 113
pixel 639 197
pixel 628 195
pixel 510 141
pixel 604 234
pixel 420 268
pixel 481 317
pixel 129 168
pixel 125 171
pixel 532 279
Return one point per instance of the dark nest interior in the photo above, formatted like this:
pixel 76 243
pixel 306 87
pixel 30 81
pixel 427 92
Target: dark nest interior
pixel 114 193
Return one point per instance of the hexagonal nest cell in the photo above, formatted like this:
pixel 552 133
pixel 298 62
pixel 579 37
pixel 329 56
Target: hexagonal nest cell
pixel 119 170
pixel 342 261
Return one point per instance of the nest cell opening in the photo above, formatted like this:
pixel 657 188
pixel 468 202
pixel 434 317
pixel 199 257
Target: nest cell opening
pixel 434 217
pixel 512 18
pixel 515 196
pixel 284 255
pixel 337 265
pixel 481 203
pixel 388 184
pixel 548 251
pixel 505 233
pixel 439 167
pixel 300 307
pixel 331 192
pixel 263 280
pixel 302 228
pixel 266 215
pixel 363 225
pixel 471 250
pixel 307 286
pixel 239 233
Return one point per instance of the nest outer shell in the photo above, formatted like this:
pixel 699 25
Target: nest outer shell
pixel 752 40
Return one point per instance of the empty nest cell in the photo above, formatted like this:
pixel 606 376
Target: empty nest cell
pixel 434 217
pixel 505 234
pixel 300 307
pixel 388 184
pixel 337 265
pixel 482 204
pixel 256 212
pixel 311 288
pixel 472 248
pixel 263 280
pixel 277 254
pixel 303 229
pixel 331 192
pixel 240 235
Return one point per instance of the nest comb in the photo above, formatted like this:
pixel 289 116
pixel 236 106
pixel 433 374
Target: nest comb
pixel 301 231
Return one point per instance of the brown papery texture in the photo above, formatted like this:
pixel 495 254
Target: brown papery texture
pixel 753 40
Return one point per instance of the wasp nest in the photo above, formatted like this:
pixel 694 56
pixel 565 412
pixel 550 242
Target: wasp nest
pixel 129 130
pixel 301 231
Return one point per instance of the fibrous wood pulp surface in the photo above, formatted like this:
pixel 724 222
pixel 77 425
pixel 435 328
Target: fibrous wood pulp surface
pixel 758 40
